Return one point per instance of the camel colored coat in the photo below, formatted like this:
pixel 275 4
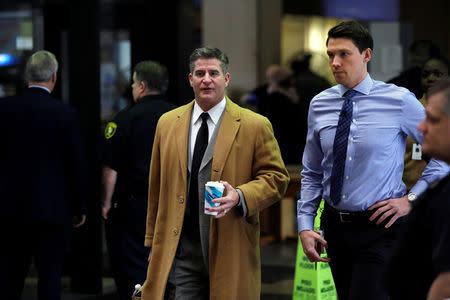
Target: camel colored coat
pixel 247 156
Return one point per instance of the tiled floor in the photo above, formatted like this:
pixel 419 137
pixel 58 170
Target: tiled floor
pixel 278 262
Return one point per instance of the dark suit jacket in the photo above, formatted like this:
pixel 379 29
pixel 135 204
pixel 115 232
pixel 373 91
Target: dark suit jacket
pixel 42 167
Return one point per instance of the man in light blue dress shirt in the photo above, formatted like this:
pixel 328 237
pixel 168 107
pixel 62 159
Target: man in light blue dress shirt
pixel 360 226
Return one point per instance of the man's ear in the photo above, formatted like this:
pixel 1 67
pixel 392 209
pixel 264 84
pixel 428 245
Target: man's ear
pixel 367 55
pixel 227 79
pixel 191 79
pixel 54 77
pixel 143 87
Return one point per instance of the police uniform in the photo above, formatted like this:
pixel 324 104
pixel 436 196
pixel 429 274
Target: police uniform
pixel 127 150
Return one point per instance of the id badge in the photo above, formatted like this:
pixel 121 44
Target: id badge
pixel 416 152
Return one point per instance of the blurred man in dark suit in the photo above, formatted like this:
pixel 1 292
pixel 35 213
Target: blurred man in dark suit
pixel 420 265
pixel 42 181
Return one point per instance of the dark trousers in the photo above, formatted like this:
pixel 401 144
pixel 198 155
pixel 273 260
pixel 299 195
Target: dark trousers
pixel 45 243
pixel 125 235
pixel 359 253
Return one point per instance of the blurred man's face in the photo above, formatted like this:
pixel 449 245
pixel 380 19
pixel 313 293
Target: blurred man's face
pixel 436 129
pixel 138 88
pixel 348 65
pixel 434 70
pixel 208 82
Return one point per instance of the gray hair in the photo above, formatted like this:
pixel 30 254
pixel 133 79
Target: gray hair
pixel 207 53
pixel 442 86
pixel 41 66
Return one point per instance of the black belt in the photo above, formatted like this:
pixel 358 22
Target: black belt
pixel 348 217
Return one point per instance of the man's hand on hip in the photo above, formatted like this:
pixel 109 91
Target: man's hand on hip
pixel 395 207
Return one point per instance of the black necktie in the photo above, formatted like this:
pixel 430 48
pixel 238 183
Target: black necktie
pixel 201 142
pixel 340 147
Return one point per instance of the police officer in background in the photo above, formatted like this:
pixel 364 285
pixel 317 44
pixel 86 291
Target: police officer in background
pixel 127 153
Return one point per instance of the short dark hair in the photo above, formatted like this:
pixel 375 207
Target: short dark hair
pixel 353 31
pixel 154 74
pixel 442 86
pixel 206 53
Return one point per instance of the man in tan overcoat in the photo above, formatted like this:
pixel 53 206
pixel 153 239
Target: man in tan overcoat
pixel 194 255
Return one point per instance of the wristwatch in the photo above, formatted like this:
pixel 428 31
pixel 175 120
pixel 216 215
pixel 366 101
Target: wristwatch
pixel 412 197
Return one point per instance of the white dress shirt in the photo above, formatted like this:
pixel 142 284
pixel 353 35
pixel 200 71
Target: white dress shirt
pixel 196 122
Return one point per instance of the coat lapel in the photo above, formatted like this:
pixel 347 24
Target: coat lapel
pixel 182 136
pixel 227 134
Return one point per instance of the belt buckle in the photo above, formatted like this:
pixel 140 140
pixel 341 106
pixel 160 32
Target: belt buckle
pixel 342 217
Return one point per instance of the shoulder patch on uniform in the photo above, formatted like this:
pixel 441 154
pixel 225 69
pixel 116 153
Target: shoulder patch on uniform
pixel 110 130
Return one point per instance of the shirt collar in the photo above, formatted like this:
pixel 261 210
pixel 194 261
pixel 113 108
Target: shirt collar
pixel 363 87
pixel 214 113
pixel 39 86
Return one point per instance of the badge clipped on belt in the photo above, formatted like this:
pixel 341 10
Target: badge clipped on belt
pixel 416 151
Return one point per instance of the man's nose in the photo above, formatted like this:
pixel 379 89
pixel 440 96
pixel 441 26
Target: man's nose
pixel 207 78
pixel 335 61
